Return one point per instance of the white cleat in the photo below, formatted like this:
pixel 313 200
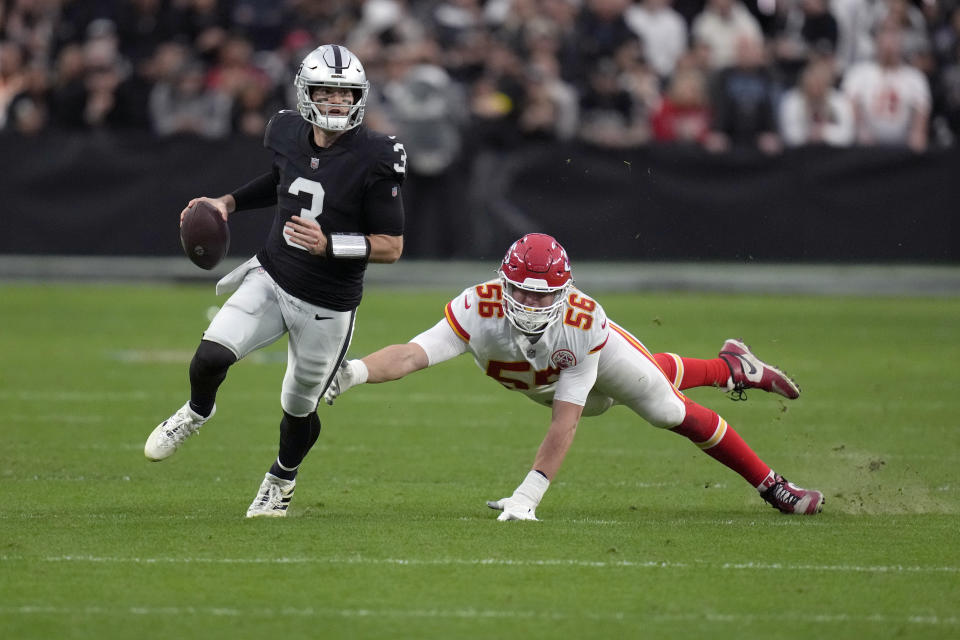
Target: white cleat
pixel 273 498
pixel 170 434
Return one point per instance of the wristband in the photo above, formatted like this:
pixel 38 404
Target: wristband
pixel 359 370
pixel 350 246
pixel 533 487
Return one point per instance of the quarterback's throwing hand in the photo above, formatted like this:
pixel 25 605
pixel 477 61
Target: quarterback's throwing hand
pixel 513 509
pixel 217 203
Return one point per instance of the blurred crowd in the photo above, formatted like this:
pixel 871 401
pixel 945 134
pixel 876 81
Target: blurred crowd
pixel 719 74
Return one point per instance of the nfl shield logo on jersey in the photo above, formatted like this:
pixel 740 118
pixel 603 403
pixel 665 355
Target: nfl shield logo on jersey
pixel 314 163
pixel 394 191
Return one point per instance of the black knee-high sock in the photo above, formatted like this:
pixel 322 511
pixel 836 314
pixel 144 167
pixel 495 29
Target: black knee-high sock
pixel 297 436
pixel 208 370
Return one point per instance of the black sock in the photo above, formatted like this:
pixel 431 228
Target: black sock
pixel 297 436
pixel 208 370
pixel 280 472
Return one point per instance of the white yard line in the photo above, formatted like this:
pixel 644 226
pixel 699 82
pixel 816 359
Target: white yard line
pixel 470 613
pixel 73 396
pixel 556 562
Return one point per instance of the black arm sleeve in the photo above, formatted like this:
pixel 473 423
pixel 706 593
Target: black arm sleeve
pixel 383 206
pixel 259 192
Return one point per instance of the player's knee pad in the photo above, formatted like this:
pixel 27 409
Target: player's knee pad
pixel 596 404
pixel 210 362
pixel 301 391
pixel 299 400
pixel 666 412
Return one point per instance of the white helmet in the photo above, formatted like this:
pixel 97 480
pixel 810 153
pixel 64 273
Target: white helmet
pixel 331 65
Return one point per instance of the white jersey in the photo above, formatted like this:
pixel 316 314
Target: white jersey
pixel 582 358
pixel 888 98
pixel 561 364
pixel 664 35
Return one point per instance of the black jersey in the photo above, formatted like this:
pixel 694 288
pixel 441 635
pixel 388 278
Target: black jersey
pixel 352 186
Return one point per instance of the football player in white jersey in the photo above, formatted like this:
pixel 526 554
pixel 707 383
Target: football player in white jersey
pixel 534 332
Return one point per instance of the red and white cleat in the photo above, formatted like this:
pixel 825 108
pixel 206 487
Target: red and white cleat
pixel 747 371
pixel 789 498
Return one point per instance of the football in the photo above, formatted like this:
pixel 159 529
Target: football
pixel 204 235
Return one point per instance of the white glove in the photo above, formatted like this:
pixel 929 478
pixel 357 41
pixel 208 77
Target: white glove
pixel 513 509
pixel 522 505
pixel 351 373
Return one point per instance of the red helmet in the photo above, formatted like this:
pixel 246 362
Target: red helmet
pixel 536 262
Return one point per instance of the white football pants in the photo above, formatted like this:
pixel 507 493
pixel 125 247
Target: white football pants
pixel 628 374
pixel 260 312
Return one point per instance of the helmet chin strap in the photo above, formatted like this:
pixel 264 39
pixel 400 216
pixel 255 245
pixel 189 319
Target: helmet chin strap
pixel 337 129
pixel 325 120
pixel 534 336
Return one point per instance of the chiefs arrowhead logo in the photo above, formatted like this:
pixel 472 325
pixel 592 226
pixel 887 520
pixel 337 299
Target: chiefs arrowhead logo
pixel 563 359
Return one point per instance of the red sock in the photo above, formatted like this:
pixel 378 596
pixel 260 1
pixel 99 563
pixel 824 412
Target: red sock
pixel 718 440
pixel 693 372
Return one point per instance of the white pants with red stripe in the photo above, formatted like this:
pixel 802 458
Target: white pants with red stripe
pixel 628 375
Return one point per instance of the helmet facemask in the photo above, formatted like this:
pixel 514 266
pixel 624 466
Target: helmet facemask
pixel 532 320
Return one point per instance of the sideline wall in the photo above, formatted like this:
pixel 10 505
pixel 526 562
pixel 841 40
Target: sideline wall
pixel 111 195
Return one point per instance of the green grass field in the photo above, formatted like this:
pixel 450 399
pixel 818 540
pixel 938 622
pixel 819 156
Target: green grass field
pixel 389 537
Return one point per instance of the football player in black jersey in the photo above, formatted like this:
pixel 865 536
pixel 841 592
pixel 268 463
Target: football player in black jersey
pixel 336 186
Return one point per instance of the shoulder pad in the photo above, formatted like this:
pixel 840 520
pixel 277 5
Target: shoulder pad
pixel 283 124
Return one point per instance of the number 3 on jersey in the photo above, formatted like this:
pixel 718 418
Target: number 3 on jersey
pixel 315 189
pixel 400 167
